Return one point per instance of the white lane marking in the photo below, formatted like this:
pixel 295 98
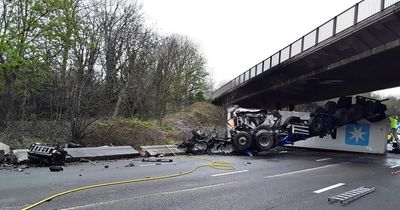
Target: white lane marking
pixel 149 195
pixel 301 171
pixel 155 164
pixel 329 188
pixel 323 159
pixel 395 166
pixel 228 173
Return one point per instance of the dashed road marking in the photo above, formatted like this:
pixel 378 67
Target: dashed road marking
pixel 233 172
pixel 301 171
pixel 323 159
pixel 329 188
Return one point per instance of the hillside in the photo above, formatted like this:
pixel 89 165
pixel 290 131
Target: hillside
pixel 121 131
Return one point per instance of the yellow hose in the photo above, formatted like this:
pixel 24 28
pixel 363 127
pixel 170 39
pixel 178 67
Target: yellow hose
pixel 216 164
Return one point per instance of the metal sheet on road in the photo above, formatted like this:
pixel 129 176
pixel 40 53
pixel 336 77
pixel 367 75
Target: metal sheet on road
pixel 101 153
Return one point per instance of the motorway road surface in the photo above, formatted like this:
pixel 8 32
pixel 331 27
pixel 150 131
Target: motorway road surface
pixel 285 179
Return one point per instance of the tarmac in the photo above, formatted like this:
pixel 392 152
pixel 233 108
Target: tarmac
pixel 289 178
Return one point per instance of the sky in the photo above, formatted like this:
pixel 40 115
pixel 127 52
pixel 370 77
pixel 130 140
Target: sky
pixel 234 35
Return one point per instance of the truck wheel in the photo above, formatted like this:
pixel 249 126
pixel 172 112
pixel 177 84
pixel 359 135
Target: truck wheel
pixel 316 125
pixel 264 140
pixel 369 109
pixel 330 107
pixel 342 116
pixel 292 120
pixel 377 117
pixel 242 141
pixel 356 112
pixel 317 111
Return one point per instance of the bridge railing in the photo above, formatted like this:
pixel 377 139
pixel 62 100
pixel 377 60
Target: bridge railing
pixel 350 17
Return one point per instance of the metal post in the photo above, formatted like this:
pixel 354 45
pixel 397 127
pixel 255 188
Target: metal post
pixel 334 26
pixel 355 14
pixel 290 50
pixel 279 58
pixel 302 44
pixel 262 67
pixel 316 35
pixel 255 73
pixel 270 62
pixel 382 5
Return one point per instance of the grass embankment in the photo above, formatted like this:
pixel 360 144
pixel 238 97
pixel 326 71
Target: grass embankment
pixel 174 128
pixel 121 131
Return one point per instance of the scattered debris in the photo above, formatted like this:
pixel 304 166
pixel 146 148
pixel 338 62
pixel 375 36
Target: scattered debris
pixel 156 160
pixel 83 160
pixel 2 156
pixel 396 172
pixel 5 147
pixel 72 145
pixel 20 156
pixel 201 143
pixel 351 195
pixel 46 154
pixel 56 168
pixel 130 165
pixel 164 150
pixel 160 155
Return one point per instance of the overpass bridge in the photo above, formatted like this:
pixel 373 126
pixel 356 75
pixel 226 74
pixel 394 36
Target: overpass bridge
pixel 356 51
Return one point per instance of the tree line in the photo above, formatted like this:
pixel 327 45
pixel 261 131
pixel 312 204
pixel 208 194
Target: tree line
pixel 80 60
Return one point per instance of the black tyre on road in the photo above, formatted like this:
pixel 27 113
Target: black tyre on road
pixel 264 140
pixel 242 141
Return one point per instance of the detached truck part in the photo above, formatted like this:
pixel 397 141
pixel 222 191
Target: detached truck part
pixel 46 154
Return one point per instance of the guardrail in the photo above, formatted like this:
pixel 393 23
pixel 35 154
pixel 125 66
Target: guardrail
pixel 355 14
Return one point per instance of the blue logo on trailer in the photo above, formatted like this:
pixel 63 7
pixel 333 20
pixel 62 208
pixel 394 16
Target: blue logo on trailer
pixel 357 134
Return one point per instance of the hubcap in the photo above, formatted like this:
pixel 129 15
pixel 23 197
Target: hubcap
pixel 264 141
pixel 242 140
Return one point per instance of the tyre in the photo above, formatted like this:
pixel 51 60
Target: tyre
pixel 344 102
pixel 242 141
pixel 292 120
pixel 356 113
pixel 261 127
pixel 377 117
pixel 330 107
pixel 317 111
pixel 369 109
pixel 316 125
pixel 264 140
pixel 342 117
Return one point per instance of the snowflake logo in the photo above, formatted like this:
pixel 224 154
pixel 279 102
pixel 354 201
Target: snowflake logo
pixel 357 134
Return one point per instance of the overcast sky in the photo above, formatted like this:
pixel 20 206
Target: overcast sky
pixel 234 35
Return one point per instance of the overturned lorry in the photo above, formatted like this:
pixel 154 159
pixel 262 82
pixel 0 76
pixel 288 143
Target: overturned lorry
pixel 261 130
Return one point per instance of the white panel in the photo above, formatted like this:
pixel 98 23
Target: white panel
pixel 309 40
pixel 325 31
pixel 373 138
pixel 345 20
pixel 367 8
